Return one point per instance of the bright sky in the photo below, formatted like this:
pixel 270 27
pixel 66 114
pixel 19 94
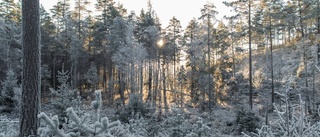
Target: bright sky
pixel 183 10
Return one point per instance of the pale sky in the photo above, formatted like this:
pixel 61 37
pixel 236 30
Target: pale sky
pixel 183 10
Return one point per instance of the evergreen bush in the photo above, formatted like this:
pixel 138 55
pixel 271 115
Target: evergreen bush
pixel 246 121
pixel 85 126
pixel 135 107
pixel 10 96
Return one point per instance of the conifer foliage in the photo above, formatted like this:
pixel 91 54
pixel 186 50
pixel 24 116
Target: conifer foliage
pixel 63 96
pixel 79 126
pixel 9 93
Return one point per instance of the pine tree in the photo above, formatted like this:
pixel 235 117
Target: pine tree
pixel 244 9
pixel 80 10
pixel 191 39
pixel 208 14
pixel 147 33
pixel 60 13
pixel 173 31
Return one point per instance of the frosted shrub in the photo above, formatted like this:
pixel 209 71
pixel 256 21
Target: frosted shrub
pixel 138 127
pixel 85 126
pixel 199 129
pixel 292 121
pixel 246 121
pixel 9 93
pixel 176 124
pixel 135 107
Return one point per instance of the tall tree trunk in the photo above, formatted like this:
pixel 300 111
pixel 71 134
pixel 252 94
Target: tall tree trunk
pixel 31 77
pixel 233 56
pixel 132 82
pixel 79 19
pixel 250 58
pixel 121 86
pixel 174 64
pixel 110 83
pixel 149 81
pixel 104 77
pixel 141 79
pixel 301 19
pixel 164 85
pixel 271 59
pixel 209 79
pixel 54 71
pixel 192 86
pixel 157 91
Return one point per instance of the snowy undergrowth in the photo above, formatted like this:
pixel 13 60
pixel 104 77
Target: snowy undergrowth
pixel 292 120
pixel 86 125
pixel 8 127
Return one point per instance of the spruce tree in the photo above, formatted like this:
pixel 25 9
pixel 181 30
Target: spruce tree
pixel 63 96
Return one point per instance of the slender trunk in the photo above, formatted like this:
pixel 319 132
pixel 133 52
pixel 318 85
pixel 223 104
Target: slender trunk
pixel 313 88
pixel 174 54
pixel 301 19
pixel 233 56
pixel 164 86
pixel 75 80
pixel 31 77
pixel 132 83
pixel 110 84
pixel 271 59
pixel 156 91
pixel 121 86
pixel 149 81
pixel 250 57
pixel 141 78
pixel 79 19
pixel 192 86
pixel 209 79
pixel 181 95
pixel 104 77
pixel 54 71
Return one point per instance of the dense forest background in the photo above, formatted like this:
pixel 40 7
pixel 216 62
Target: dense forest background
pixel 264 56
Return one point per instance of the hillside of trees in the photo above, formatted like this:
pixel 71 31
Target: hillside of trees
pixel 112 72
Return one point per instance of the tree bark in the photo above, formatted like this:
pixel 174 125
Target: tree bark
pixel 30 105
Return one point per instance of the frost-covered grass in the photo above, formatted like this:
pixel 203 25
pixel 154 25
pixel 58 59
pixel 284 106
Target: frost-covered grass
pixel 8 127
